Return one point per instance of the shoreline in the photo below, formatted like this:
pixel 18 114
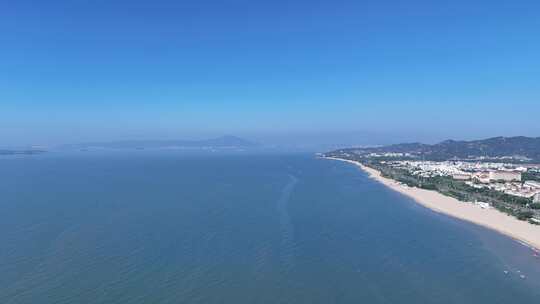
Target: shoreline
pixel 491 218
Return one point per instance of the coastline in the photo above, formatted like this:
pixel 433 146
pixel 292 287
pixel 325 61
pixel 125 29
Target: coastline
pixel 490 218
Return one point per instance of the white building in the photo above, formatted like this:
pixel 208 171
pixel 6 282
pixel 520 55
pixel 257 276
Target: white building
pixel 461 176
pixel 482 177
pixel 532 184
pixel 505 175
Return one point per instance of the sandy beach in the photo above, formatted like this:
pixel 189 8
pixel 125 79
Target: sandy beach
pixel 490 218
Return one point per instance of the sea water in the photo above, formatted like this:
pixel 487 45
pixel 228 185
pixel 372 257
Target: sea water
pixel 178 227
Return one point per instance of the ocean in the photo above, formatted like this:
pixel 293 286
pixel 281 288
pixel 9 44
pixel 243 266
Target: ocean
pixel 181 227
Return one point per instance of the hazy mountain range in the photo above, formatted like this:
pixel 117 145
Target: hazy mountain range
pixel 519 147
pixel 19 152
pixel 220 142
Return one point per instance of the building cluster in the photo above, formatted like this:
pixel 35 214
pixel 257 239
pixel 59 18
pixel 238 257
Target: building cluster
pixel 513 188
pixel 506 178
pixel 389 154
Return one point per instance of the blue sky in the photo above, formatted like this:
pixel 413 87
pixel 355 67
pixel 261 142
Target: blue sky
pixel 275 71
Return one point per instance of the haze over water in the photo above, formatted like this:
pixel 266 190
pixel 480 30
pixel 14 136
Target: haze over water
pixel 171 227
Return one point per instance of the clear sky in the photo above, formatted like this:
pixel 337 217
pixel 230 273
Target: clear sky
pixel 276 71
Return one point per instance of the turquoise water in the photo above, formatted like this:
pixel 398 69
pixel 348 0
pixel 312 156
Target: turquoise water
pixel 169 227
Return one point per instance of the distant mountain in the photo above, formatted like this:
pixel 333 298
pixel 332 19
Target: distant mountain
pixel 220 142
pixel 20 152
pixel 519 147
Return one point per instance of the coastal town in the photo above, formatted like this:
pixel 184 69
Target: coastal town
pixel 503 177
pixel 509 183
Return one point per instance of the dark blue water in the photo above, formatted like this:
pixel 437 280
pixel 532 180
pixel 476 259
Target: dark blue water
pixel 145 227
